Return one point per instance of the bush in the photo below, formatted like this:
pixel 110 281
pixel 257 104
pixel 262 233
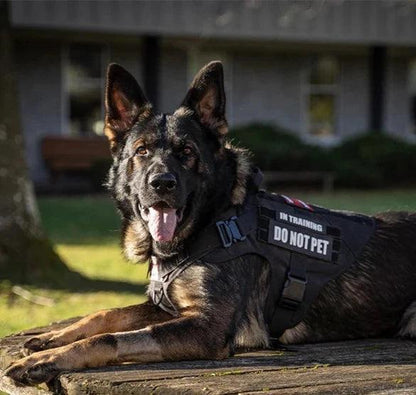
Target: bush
pixel 372 159
pixel 274 148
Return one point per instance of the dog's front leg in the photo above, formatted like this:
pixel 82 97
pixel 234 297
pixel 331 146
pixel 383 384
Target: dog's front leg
pixel 106 321
pixel 192 337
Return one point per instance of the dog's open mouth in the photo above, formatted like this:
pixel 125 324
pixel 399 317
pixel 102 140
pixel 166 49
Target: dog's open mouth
pixel 162 220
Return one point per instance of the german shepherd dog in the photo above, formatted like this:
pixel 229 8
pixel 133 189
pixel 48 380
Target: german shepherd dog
pixel 172 174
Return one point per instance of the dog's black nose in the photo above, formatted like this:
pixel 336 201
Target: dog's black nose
pixel 163 182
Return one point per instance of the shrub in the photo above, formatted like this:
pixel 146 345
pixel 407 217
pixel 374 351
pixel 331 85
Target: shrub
pixel 275 148
pixel 372 159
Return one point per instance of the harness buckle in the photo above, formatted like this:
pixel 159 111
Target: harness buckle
pixel 229 232
pixel 293 292
pixel 156 292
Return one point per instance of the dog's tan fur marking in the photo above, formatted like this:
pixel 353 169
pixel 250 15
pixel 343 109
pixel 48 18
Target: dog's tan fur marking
pixel 105 321
pixel 188 335
pixel 243 169
pixel 206 106
pixel 138 346
pixel 92 352
pixel 408 323
pixel 114 130
pixel 183 112
pixel 295 334
pixel 89 352
pixel 112 136
pixel 145 113
pixel 188 291
pixel 136 242
pixel 253 333
pixel 222 127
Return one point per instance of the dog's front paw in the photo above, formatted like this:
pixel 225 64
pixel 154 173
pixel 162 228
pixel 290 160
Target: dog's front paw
pixel 43 342
pixel 34 369
pixel 36 344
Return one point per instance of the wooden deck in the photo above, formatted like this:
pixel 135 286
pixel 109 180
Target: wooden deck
pixel 381 366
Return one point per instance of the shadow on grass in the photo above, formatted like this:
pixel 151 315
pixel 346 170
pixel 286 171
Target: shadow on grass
pixel 32 260
pixel 63 278
pixel 76 282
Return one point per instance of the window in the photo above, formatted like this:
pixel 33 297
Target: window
pixel 84 81
pixel 322 94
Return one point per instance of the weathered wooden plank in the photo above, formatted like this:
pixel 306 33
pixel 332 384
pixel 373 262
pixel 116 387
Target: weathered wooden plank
pixel 313 379
pixel 379 366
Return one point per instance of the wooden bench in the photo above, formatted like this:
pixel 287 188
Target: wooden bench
pixel 65 154
pixel 378 366
pixel 327 178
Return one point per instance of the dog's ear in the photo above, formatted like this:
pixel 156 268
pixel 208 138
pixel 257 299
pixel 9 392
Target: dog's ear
pixel 124 103
pixel 206 96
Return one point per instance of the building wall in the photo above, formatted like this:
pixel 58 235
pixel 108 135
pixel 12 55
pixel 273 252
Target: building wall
pixel 346 21
pixel 397 99
pixel 267 88
pixel 173 78
pixel 353 103
pixel 39 76
pixel 130 57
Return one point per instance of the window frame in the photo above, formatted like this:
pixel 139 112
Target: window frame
pixel 308 89
pixel 105 57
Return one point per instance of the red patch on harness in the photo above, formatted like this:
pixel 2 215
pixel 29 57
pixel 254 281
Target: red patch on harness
pixel 297 202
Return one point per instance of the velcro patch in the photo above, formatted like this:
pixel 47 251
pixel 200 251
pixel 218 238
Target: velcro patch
pixel 299 239
pixel 301 221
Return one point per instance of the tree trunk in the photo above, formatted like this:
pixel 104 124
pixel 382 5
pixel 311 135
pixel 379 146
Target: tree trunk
pixel 25 254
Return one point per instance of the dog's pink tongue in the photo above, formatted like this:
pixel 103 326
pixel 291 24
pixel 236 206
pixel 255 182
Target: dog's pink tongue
pixel 162 223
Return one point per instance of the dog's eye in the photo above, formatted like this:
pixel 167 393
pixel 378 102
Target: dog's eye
pixel 187 150
pixel 142 151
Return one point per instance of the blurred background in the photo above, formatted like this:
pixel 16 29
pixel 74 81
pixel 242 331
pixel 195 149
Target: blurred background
pixel 322 91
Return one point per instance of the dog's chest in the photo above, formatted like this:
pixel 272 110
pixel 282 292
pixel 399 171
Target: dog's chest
pixel 179 288
pixel 190 289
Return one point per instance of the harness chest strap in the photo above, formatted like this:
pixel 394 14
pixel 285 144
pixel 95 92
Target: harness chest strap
pixel 160 280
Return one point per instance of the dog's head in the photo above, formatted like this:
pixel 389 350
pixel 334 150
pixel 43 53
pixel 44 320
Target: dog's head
pixel 167 166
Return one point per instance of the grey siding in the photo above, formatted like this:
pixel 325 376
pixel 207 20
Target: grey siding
pixel 268 89
pixel 39 75
pixel 173 79
pixel 353 99
pixel 337 21
pixel 397 101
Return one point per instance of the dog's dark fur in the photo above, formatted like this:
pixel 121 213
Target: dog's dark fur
pixel 221 306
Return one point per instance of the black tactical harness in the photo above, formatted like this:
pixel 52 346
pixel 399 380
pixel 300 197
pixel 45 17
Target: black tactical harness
pixel 305 245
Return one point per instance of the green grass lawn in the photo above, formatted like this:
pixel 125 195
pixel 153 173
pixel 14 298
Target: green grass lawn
pixel 85 231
